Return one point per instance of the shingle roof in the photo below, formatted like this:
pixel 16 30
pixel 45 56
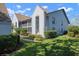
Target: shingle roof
pixel 4 12
pixel 3 8
pixel 21 17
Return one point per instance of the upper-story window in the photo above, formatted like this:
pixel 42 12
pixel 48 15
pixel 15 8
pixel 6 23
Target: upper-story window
pixel 53 20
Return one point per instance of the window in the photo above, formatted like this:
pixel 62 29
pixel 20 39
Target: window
pixel 47 17
pixel 15 24
pixel 37 24
pixel 61 30
pixel 29 29
pixel 53 28
pixel 61 23
pixel 53 20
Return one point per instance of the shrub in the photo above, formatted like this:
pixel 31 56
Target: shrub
pixel 8 43
pixel 51 34
pixel 74 29
pixel 65 32
pixel 38 39
pixel 71 34
pixel 17 30
pixel 38 36
pixel 31 36
pixel 77 36
pixel 23 31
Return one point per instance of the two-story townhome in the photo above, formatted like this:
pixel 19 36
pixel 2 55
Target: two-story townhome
pixel 43 21
pixel 20 21
pixel 24 22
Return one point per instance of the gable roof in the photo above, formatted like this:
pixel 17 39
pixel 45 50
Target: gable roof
pixel 45 10
pixel 4 17
pixel 63 12
pixel 3 8
pixel 4 13
pixel 21 17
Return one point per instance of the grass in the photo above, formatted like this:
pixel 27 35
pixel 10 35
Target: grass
pixel 62 45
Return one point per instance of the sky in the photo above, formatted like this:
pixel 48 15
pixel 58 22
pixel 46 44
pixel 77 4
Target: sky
pixel 71 9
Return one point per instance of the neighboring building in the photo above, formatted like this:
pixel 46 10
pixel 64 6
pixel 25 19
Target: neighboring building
pixel 21 21
pixel 5 22
pixel 24 22
pixel 43 21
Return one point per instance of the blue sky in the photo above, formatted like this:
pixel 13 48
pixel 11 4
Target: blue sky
pixel 71 9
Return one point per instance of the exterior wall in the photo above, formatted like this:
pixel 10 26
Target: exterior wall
pixel 38 12
pixel 60 18
pixel 15 23
pixel 13 19
pixel 5 28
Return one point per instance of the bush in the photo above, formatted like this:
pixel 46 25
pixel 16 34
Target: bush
pixel 38 39
pixel 8 43
pixel 31 36
pixel 74 29
pixel 77 36
pixel 17 30
pixel 38 36
pixel 23 31
pixel 65 32
pixel 71 34
pixel 51 34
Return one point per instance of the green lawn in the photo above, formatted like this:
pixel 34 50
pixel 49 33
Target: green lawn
pixel 60 46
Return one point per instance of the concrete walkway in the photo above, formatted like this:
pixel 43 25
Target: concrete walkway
pixel 25 39
pixel 29 40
